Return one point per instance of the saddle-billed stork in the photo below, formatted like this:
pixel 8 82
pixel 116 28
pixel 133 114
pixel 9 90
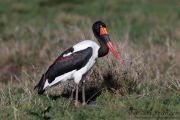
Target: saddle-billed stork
pixel 75 62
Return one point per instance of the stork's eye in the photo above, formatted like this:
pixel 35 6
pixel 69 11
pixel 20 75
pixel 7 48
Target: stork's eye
pixel 103 30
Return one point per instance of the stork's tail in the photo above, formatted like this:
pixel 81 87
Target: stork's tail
pixel 40 85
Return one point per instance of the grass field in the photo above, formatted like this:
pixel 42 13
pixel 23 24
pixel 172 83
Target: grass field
pixel 144 84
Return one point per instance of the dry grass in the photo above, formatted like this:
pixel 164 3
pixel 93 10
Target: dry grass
pixel 141 71
pixel 148 69
pixel 136 72
pixel 153 64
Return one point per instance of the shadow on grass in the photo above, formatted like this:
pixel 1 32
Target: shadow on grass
pixel 91 94
pixel 42 114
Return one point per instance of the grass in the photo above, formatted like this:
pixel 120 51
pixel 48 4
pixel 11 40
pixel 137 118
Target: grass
pixel 145 83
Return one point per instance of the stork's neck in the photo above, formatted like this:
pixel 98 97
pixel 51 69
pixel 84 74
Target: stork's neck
pixel 103 50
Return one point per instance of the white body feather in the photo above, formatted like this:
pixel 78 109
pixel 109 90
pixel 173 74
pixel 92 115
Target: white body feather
pixel 77 75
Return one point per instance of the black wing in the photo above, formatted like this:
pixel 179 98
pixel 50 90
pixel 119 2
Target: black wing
pixel 69 63
pixel 65 64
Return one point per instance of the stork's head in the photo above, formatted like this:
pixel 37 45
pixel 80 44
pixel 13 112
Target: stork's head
pixel 100 31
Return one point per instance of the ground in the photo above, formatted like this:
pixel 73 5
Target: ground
pixel 143 84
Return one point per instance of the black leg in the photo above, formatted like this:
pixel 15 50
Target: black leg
pixel 76 98
pixel 83 94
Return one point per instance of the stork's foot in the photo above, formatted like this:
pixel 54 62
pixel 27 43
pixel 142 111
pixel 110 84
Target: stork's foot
pixel 84 104
pixel 76 103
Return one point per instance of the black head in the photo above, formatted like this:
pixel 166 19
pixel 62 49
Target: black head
pixel 96 27
pixel 99 29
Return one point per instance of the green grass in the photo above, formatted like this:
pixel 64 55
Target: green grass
pixel 145 83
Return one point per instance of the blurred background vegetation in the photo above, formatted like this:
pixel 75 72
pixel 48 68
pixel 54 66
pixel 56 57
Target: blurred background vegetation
pixel 146 33
pixel 29 29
